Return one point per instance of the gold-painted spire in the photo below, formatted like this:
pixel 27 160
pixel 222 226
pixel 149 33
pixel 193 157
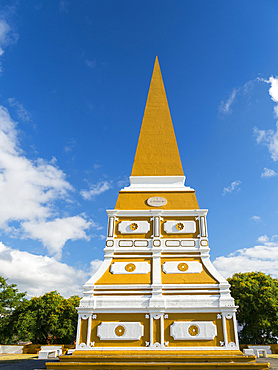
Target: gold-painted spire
pixel 157 151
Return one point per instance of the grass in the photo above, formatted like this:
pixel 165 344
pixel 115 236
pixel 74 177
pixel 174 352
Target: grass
pixel 8 358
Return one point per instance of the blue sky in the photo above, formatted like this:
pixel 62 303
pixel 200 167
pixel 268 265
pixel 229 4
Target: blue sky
pixel 73 86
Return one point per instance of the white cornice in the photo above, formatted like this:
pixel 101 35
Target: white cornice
pixel 156 212
pixel 157 183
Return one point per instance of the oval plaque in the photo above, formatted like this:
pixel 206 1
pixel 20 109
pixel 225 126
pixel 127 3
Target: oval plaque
pixel 156 201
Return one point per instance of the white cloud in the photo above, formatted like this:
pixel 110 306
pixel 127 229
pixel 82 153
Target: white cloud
pixel 96 166
pixel 70 145
pixel 54 234
pixel 234 186
pixel 96 189
pixel 269 138
pixel 123 182
pixel 38 274
pixel 263 239
pixel 268 173
pixel 261 257
pixel 27 188
pixel 91 63
pixel 225 107
pixel 63 6
pixel 256 218
pixel 273 91
pixel 20 110
pixel 7 36
pixel 28 191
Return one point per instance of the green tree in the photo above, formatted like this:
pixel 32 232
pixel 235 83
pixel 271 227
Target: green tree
pixel 256 294
pixel 47 319
pixel 9 297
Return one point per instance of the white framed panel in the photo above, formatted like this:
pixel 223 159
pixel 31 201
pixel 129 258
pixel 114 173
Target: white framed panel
pixel 182 267
pixel 134 227
pixel 193 330
pixel 130 268
pixel 120 331
pixel 187 243
pixel 180 227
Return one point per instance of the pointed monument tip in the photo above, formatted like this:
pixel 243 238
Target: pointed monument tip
pixel 157 152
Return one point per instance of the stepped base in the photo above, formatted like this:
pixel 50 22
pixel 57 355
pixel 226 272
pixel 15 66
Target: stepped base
pixel 153 360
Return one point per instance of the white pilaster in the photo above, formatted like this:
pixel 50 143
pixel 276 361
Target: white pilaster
pixel 224 330
pixel 89 328
pixel 78 331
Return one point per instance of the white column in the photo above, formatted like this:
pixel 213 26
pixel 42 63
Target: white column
pixel 224 329
pixel 156 231
pixel 235 329
pixel 203 228
pixel 151 330
pixel 162 330
pixel 89 328
pixel 111 224
pixel 78 331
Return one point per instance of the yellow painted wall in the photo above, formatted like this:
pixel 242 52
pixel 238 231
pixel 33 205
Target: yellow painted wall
pixel 83 331
pixel 230 330
pixel 203 277
pixel 175 200
pixel 156 331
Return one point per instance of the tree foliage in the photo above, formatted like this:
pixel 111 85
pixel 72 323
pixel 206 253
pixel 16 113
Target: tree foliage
pixel 256 294
pixel 10 298
pixel 47 319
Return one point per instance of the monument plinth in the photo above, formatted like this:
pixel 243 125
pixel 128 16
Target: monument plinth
pixel 157 300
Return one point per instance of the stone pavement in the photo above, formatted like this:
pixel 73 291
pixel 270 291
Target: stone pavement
pixel 40 364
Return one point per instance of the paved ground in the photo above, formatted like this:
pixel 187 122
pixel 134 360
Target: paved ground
pixel 273 362
pixel 40 364
pixel 26 365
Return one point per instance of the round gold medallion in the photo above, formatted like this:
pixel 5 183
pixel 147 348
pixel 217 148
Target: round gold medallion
pixel 134 226
pixel 120 330
pixel 193 330
pixel 130 267
pixel 180 226
pixel 183 266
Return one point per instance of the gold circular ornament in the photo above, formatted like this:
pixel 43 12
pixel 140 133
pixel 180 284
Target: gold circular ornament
pixel 130 267
pixel 134 226
pixel 120 330
pixel 183 266
pixel 193 330
pixel 180 226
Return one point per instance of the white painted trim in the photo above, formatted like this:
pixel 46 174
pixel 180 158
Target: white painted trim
pixel 157 183
pixel 208 264
pixel 156 212
pixel 98 274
